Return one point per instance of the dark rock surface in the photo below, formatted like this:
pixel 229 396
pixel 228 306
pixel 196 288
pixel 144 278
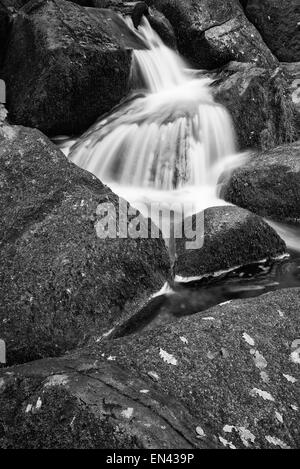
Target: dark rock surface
pixel 238 368
pixel 279 24
pixel 59 282
pixel 268 184
pixel 139 9
pixel 7 10
pixel 260 104
pixel 232 237
pixel 212 33
pixel 162 26
pixel 81 403
pixel 228 377
pixel 293 77
pixel 55 63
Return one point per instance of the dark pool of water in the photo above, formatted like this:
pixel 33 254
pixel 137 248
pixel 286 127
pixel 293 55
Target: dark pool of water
pixel 190 298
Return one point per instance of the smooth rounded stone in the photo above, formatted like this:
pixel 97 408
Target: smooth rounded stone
pixel 227 237
pixel 293 77
pixel 259 102
pixel 267 184
pixel 66 65
pixel 78 403
pixel 235 367
pixel 279 24
pixel 61 282
pixel 211 33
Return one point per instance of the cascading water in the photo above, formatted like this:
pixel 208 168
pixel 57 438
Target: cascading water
pixel 167 140
pixel 168 143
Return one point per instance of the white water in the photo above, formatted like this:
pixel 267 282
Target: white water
pixel 289 233
pixel 168 143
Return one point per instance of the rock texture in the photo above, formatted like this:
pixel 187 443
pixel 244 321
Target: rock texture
pixel 212 33
pixel 232 237
pixel 66 65
pixel 268 184
pixel 237 372
pixel 139 9
pixel 293 77
pixel 7 10
pixel 60 283
pixel 90 404
pixel 260 104
pixel 227 381
pixel 279 24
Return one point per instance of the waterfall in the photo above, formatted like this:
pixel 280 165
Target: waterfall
pixel 168 135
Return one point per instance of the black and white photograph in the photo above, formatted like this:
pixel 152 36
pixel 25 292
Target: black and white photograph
pixel 150 227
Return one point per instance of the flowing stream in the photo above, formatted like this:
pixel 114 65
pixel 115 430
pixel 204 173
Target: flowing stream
pixel 169 142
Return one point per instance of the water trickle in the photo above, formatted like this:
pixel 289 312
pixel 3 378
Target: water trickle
pixel 167 136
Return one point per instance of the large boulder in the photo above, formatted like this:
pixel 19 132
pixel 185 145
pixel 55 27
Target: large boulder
pixel 260 104
pixel 224 378
pixel 227 237
pixel 293 77
pixel 65 65
pixel 8 10
pixel 279 24
pixel 211 33
pixel 235 367
pixel 268 184
pixel 79 403
pixel 61 282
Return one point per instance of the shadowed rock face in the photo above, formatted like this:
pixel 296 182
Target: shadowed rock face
pixel 227 377
pixel 55 63
pixel 212 33
pixel 268 184
pixel 278 23
pixel 61 283
pixel 260 103
pixel 232 237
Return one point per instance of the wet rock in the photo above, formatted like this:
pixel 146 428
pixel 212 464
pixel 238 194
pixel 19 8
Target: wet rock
pixel 212 33
pixel 235 372
pixel 61 282
pixel 279 24
pixel 226 237
pixel 293 77
pixel 162 26
pixel 80 403
pixel 65 65
pixel 268 184
pixel 136 10
pixel 260 104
